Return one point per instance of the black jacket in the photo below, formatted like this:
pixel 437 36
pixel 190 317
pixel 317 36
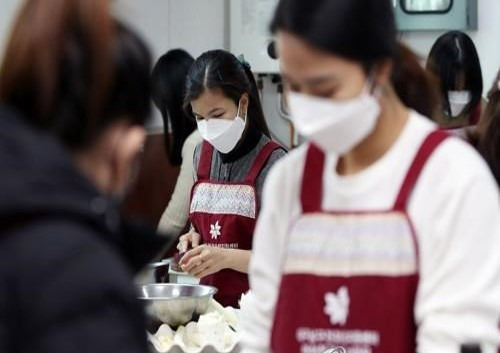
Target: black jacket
pixel 66 259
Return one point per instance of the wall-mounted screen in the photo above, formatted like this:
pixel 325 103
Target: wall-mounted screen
pixel 426 6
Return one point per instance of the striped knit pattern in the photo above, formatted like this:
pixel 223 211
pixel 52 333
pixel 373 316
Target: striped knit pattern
pixel 352 245
pixel 227 199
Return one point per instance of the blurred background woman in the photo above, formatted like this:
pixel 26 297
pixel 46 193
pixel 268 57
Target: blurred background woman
pixel 181 136
pixel 453 59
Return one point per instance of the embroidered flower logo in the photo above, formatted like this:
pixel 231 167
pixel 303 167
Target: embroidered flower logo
pixel 336 350
pixel 337 306
pixel 215 230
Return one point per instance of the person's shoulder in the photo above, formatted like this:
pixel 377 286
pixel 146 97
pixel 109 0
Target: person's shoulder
pixel 278 153
pixel 460 160
pixel 79 276
pixel 197 154
pixel 193 141
pixel 283 183
pixel 454 161
pixel 295 157
pixel 288 167
pixel 190 147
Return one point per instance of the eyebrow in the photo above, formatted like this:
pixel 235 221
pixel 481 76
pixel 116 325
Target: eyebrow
pixel 321 79
pixel 209 113
pixel 313 80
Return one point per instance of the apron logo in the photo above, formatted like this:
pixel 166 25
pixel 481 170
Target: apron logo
pixel 336 350
pixel 337 306
pixel 215 230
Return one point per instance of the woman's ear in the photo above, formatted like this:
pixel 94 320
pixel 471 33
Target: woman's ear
pixel 244 102
pixel 125 158
pixel 383 72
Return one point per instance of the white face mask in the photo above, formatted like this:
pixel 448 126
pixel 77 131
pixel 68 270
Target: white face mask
pixel 223 134
pixel 335 126
pixel 458 101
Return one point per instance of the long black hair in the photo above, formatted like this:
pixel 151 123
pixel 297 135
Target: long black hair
pixel 168 85
pixel 77 73
pixel 454 55
pixel 219 69
pixel 362 31
pixel 487 138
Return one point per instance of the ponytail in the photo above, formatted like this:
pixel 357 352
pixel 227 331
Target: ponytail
pixel 416 88
pixel 255 106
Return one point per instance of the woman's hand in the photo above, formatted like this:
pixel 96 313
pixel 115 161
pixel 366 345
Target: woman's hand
pixel 191 239
pixel 204 260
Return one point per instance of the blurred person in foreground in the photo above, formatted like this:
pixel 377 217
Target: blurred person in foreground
pixel 74 92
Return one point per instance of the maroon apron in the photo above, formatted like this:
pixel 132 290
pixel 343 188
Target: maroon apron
pixel 349 278
pixel 224 214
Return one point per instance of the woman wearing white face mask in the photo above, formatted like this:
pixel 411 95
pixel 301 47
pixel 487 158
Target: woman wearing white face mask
pixel 231 166
pixel 381 235
pixel 453 59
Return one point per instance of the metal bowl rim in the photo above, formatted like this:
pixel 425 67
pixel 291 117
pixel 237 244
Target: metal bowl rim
pixel 212 292
pixel 157 264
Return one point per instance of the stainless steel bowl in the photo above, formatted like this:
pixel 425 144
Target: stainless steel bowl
pixel 176 304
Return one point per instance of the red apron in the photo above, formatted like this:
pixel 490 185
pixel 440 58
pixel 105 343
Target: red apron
pixel 349 278
pixel 224 214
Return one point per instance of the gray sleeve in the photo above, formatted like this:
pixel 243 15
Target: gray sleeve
pixel 196 160
pixel 259 183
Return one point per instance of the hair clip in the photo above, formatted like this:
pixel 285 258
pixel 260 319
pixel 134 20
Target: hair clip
pixel 241 59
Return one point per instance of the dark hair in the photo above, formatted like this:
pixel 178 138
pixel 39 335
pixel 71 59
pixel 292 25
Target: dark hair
pixel 488 132
pixel 71 69
pixel 363 31
pixel 168 85
pixel 219 69
pixel 452 55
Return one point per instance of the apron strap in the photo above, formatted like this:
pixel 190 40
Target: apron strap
pixel 261 160
pixel 205 164
pixel 432 141
pixel 312 180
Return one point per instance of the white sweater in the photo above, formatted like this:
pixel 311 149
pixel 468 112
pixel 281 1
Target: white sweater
pixel 455 209
pixel 176 214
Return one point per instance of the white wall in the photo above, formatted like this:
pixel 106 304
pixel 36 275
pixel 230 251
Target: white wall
pixel 194 25
pixel 8 10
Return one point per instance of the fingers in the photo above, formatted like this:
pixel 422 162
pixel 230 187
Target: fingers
pixel 193 265
pixel 181 246
pixel 195 239
pixel 204 270
pixel 202 263
pixel 185 240
pixel 196 260
pixel 189 255
pixel 183 243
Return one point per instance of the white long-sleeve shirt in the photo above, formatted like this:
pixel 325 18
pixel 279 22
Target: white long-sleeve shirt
pixel 176 214
pixel 455 209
